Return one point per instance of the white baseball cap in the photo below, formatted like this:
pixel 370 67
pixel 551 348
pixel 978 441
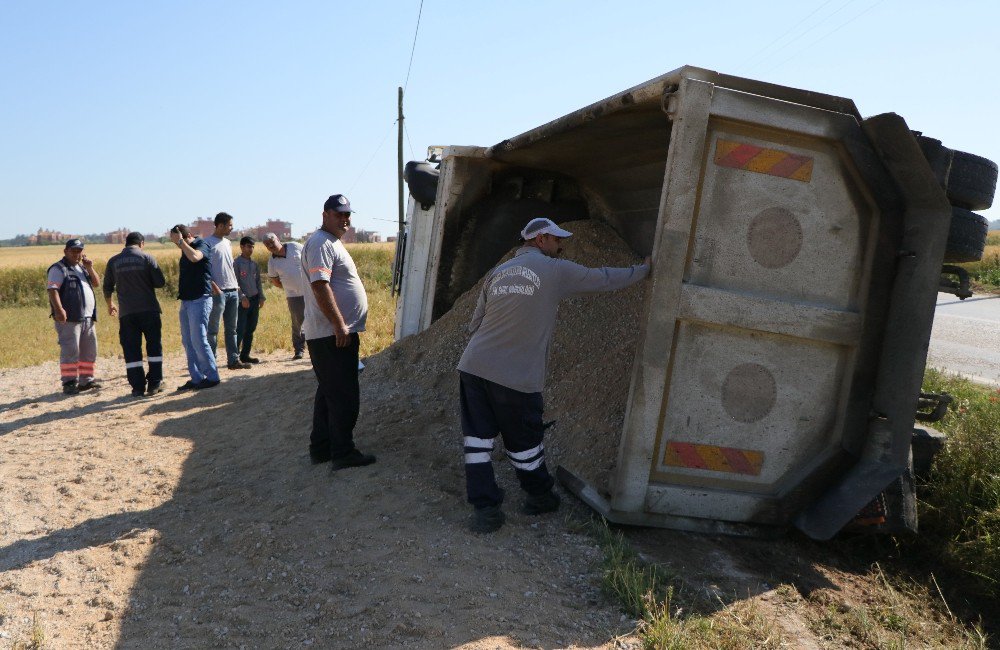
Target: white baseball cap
pixel 543 226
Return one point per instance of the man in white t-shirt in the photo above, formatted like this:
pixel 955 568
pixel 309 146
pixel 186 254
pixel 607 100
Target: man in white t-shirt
pixel 225 291
pixel 70 283
pixel 284 269
pixel 336 309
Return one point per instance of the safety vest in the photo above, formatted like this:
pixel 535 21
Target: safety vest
pixel 71 293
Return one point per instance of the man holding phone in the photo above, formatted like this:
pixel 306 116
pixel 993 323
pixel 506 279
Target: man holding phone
pixel 71 282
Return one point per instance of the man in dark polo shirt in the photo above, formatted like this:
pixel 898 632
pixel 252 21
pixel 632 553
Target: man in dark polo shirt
pixel 195 294
pixel 136 276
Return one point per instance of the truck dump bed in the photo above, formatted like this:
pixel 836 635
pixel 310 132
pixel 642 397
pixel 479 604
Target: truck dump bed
pixel 797 255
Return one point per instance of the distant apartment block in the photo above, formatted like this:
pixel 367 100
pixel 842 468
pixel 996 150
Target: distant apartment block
pixel 117 236
pixel 353 236
pixel 44 236
pixel 202 227
pixel 283 229
pixel 205 227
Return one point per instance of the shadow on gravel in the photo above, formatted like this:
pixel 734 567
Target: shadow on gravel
pixel 94 405
pixel 257 547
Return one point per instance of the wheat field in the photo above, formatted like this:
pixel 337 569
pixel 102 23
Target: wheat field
pixel 24 257
pixel 28 337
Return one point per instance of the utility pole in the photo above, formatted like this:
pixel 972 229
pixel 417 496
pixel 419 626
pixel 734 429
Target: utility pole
pixel 399 151
pixel 397 271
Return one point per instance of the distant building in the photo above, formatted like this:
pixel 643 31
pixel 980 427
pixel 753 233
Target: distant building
pixel 283 229
pixel 391 239
pixel 44 236
pixel 353 236
pixel 117 236
pixel 368 237
pixel 202 227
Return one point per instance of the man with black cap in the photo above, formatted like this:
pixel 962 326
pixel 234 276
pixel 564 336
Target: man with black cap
pixel 336 309
pixel 70 285
pixel 502 371
pixel 136 276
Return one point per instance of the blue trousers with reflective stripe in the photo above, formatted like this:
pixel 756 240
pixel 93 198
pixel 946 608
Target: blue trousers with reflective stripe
pixel 489 409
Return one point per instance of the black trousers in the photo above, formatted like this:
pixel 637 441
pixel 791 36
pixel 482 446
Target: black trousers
pixel 338 396
pixel 131 329
pixel 246 325
pixel 488 409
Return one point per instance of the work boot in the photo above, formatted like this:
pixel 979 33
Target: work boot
pixel 249 359
pixel 238 365
pixel 296 356
pixel 93 384
pixel 154 388
pixel 70 388
pixel 319 457
pixel 353 459
pixel 539 504
pixel 487 520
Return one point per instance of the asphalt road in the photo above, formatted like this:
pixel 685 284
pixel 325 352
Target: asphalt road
pixel 966 337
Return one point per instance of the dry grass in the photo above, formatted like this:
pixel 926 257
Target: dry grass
pixel 893 613
pixel 666 617
pixel 28 337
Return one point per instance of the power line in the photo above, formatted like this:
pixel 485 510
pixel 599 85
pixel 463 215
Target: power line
pixel 830 33
pixel 414 48
pixel 375 153
pixel 749 61
pixel 413 156
pixel 823 20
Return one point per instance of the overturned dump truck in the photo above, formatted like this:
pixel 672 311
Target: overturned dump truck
pixel 797 252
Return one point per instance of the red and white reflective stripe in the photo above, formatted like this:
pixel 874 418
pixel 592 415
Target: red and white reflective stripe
pixel 68 369
pixel 54 285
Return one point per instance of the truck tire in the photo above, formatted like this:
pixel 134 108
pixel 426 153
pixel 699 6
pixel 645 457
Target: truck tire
pixel 972 181
pixel 966 237
pixel 422 179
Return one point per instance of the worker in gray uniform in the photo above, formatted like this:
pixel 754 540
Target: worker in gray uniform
pixel 502 371
pixel 70 283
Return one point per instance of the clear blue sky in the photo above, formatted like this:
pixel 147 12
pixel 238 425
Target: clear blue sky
pixel 145 114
